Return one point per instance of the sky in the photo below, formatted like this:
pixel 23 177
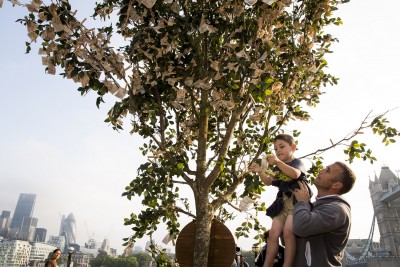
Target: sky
pixel 55 144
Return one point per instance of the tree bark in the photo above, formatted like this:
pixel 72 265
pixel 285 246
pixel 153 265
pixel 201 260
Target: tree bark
pixel 204 217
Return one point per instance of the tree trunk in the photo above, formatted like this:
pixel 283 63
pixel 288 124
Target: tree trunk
pixel 204 217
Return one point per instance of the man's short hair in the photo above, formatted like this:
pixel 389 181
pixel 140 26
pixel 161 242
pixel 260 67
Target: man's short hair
pixel 347 178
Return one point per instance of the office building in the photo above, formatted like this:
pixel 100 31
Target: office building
pixel 24 208
pixel 40 252
pixel 68 229
pixel 14 253
pixel 57 241
pixel 105 246
pixel 5 220
pixel 28 229
pixel 137 249
pixel 40 235
pixel 83 259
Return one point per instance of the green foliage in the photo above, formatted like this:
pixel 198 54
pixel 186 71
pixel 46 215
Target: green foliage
pixel 206 84
pixel 160 256
pixel 317 165
pixel 143 259
pixel 380 126
pixel 103 260
pixel 358 150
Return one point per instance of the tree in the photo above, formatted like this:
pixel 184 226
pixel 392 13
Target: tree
pixel 143 258
pixel 100 260
pixel 103 260
pixel 130 261
pixel 207 84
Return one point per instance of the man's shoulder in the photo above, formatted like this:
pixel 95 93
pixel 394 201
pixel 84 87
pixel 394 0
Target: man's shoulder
pixel 332 200
pixel 335 202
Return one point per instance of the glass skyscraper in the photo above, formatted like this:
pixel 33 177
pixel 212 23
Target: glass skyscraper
pixel 5 220
pixel 25 205
pixel 68 229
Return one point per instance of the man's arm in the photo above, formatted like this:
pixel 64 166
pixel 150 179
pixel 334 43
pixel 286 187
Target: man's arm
pixel 328 218
pixel 306 222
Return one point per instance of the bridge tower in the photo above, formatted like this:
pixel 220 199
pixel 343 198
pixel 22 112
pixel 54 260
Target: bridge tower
pixel 385 195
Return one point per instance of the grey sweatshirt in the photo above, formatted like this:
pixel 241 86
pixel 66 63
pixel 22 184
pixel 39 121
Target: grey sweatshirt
pixel 322 231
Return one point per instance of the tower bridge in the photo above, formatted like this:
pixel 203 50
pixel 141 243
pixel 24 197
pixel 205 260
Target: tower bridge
pixel 385 196
pixel 393 194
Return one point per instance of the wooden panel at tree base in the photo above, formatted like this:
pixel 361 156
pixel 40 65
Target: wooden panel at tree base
pixel 222 246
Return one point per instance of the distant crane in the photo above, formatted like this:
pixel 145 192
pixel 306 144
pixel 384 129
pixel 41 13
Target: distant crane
pixel 91 244
pixel 90 236
pixel 109 231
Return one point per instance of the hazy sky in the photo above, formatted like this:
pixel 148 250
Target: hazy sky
pixel 55 144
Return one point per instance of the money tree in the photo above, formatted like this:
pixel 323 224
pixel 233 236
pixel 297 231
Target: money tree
pixel 207 84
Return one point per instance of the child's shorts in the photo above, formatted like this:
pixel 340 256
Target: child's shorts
pixel 287 209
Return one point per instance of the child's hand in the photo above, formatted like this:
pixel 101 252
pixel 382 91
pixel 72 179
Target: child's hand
pixel 272 159
pixel 254 167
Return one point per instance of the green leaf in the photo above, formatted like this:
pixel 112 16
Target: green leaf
pixel 269 81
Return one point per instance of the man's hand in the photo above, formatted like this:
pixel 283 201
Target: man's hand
pixel 302 194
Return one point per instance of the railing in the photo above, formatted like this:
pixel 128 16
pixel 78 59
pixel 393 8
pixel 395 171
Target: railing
pixel 361 259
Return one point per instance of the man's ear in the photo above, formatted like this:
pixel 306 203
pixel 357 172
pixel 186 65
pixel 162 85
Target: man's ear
pixel 337 186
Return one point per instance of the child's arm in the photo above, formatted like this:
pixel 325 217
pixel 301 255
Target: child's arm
pixel 254 167
pixel 286 169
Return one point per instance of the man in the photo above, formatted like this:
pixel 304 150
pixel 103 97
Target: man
pixel 323 228
pixel 242 262
pixel 260 259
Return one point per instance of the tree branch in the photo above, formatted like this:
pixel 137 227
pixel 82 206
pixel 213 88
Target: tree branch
pixel 348 137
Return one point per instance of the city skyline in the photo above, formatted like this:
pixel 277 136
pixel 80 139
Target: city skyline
pixel 67 227
pixel 24 209
pixel 55 142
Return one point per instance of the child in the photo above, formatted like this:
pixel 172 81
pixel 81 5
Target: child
pixel 287 171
